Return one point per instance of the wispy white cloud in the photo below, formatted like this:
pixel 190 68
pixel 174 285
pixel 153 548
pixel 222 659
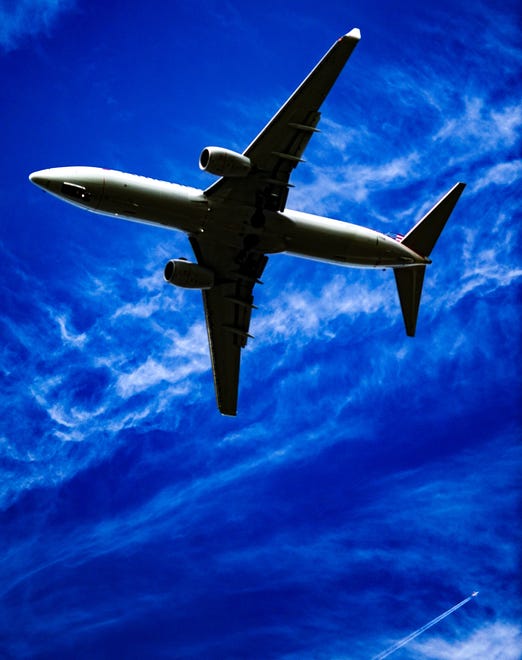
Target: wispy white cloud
pixel 460 138
pixel 76 385
pixel 29 17
pixel 152 372
pixel 425 505
pixel 489 259
pixel 300 314
pixel 496 641
pixel 69 336
pixel 142 309
pixel 501 174
pixel 482 127
pixel 333 185
pixel 172 509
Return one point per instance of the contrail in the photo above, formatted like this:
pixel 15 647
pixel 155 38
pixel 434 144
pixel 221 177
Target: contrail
pixel 418 632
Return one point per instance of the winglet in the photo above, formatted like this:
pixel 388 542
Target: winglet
pixel 353 34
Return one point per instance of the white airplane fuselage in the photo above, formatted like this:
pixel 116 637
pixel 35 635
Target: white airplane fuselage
pixel 173 206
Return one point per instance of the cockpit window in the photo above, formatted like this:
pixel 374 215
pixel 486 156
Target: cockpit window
pixel 74 191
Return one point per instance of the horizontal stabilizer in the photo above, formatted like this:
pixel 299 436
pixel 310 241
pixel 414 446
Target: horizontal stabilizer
pixel 422 238
pixel 409 285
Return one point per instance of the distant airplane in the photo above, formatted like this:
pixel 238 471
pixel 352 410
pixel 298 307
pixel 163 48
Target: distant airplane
pixel 242 217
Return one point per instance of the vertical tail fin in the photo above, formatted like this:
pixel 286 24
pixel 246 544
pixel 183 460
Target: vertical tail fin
pixel 421 239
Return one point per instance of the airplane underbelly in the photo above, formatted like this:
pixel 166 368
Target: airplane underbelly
pixel 177 211
pixel 340 242
pixel 335 242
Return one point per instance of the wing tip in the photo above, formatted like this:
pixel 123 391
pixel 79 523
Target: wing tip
pixel 355 33
pixel 228 412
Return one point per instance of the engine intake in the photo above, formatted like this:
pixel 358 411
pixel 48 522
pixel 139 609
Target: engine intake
pixel 187 275
pixel 224 162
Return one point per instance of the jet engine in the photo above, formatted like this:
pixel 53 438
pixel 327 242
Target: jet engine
pixel 181 272
pixel 224 162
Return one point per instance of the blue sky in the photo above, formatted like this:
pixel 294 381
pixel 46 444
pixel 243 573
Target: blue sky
pixel 370 481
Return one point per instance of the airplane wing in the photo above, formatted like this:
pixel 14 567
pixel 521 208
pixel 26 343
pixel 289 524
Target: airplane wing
pixel 228 307
pixel 274 153
pixel 279 147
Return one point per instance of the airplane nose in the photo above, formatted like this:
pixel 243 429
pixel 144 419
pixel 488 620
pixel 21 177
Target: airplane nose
pixel 40 179
pixel 47 180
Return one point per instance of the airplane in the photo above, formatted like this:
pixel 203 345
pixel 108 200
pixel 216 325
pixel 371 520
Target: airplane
pixel 235 223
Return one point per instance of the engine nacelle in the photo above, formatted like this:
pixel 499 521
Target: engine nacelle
pixel 181 272
pixel 224 162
